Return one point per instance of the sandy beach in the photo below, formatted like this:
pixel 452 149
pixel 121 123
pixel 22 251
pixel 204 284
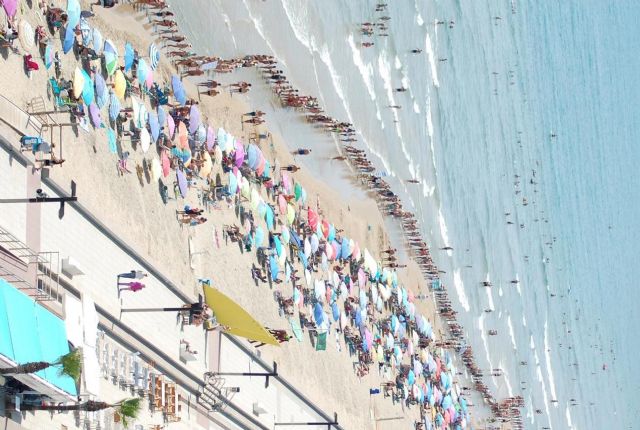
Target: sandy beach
pixel 132 207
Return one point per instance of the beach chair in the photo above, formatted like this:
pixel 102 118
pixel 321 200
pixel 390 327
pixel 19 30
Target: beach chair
pixel 143 383
pixel 114 364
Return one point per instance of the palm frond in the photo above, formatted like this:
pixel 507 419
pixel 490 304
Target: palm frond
pixel 129 408
pixel 70 364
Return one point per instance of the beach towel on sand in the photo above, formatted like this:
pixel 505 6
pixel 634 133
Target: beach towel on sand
pixel 296 329
pixel 321 343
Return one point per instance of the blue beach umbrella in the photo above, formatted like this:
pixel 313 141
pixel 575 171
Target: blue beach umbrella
pixel 252 156
pixel 318 314
pixel 101 91
pixel 277 245
pixel 194 119
pixel 446 402
pixel 358 319
pixel 345 249
pixel 233 183
pixel 69 39
pixel 162 116
pixel 295 239
pixel 335 311
pixel 259 236
pixel 88 93
pixel 154 126
pixel 269 217
pixel 85 32
pixel 182 183
pixel 364 300
pixel 142 72
pixel 154 56
pixel 98 41
pixel 129 57
pixel 303 258
pixel 48 56
pixel 110 57
pixel 114 106
pixel 273 266
pixel 411 378
pixel 178 90
pixel 73 13
pixel 332 233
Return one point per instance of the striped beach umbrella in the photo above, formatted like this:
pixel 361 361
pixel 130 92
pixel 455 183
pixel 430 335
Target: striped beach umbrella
pixel 154 56
pixel 110 57
pixel 26 35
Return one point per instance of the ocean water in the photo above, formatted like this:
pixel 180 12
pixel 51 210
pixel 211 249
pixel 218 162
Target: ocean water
pixel 547 92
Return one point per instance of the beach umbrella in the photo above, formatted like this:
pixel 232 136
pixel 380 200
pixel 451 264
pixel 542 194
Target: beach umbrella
pixel 119 84
pixel 312 218
pixel 26 35
pixel 166 164
pixel 446 402
pixel 145 139
pixel 48 56
pixel 148 80
pixel 129 56
pixel 183 138
pixel 345 248
pixel 171 125
pixel 261 165
pixel 286 236
pixel 154 56
pixel 211 138
pixel 194 119
pixel 94 113
pixel 156 169
pixel 259 236
pixel 101 91
pixel 201 134
pixel 282 204
pixel 143 70
pixel 69 39
pixel 154 126
pixel 98 41
pixel 318 314
pixel 73 13
pixel 182 183
pixel 111 140
pixel 114 106
pixel 78 82
pixel 141 118
pixel 110 57
pixel 178 90
pixel 297 191
pixel 85 32
pixel 273 267
pixel 239 158
pixel 252 156
pixel 291 214
pixel 269 216
pixel 233 183
pixel 205 169
pixel 368 339
pixel 411 378
pixel 10 7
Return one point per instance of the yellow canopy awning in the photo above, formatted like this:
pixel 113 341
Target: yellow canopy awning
pixel 238 320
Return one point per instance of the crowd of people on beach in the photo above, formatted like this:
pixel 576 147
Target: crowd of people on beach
pixel 335 286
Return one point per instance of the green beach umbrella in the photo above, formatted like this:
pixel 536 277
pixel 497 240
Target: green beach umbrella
pixel 110 57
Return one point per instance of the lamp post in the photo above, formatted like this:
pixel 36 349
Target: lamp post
pixel 328 424
pixel 267 375
pixel 42 197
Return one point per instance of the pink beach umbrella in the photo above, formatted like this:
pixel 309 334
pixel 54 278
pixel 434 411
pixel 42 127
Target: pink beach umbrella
pixel 362 278
pixel 183 139
pixel 312 218
pixel 166 164
pixel 282 204
pixel 325 228
pixel 239 153
pixel 261 165
pixel 10 7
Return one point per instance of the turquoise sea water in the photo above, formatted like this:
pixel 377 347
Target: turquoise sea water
pixel 548 92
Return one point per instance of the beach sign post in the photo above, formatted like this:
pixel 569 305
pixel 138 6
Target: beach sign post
pixel 267 375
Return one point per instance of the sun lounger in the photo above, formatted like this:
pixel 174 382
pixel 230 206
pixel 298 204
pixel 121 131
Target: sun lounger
pixel 296 329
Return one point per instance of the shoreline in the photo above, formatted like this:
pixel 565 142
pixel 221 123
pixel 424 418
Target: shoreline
pixel 224 109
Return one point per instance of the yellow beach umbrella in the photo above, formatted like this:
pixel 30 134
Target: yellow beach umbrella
pixel 78 83
pixel 237 320
pixel 245 189
pixel 255 199
pixel 291 214
pixel 119 84
pixel 205 170
pixel 156 169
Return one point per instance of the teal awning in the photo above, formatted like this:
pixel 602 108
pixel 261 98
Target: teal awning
pixel 29 332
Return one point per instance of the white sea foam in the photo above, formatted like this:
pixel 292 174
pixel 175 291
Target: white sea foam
pixel 512 334
pixel 487 278
pixel 366 70
pixel 485 343
pixel 419 20
pixel 518 285
pixel 567 414
pixel 459 286
pixel 505 377
pixel 257 22
pixel 427 190
pixel 227 22
pixel 500 291
pixel 416 107
pixel 432 61
pixel 297 23
pixel 524 320
pixel 547 356
pixel 397 64
pixel 543 387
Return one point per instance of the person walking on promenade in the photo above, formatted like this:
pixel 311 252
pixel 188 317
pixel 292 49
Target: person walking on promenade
pixel 130 286
pixel 133 274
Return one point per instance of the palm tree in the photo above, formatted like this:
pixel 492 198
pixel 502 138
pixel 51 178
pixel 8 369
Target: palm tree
pixel 70 364
pixel 126 408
